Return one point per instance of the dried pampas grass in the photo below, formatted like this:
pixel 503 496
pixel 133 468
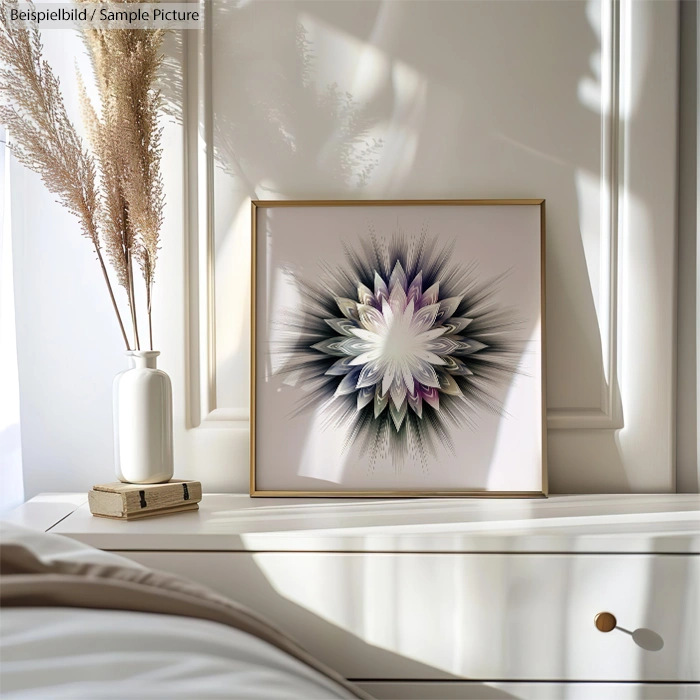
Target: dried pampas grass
pixel 116 190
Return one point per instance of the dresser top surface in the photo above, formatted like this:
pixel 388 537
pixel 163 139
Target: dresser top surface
pixel 637 523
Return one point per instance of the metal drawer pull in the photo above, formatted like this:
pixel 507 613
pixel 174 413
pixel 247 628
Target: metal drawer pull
pixel 642 637
pixel 605 621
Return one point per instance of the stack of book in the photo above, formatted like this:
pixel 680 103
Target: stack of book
pixel 132 501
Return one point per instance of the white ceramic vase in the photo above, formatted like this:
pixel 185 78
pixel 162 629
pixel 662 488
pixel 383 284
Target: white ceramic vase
pixel 143 421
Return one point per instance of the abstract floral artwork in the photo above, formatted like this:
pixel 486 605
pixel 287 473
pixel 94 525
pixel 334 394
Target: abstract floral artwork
pixel 388 352
pixel 400 346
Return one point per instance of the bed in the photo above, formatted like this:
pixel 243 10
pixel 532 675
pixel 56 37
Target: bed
pixel 80 623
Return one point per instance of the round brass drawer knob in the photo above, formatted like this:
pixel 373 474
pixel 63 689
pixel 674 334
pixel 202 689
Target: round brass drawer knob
pixel 605 621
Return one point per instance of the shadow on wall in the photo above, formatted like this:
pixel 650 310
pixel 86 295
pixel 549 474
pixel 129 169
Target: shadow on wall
pixel 416 100
pixel 274 124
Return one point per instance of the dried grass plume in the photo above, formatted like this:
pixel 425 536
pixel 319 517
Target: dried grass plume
pixel 116 187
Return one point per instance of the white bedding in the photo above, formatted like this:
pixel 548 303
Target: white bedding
pixel 91 654
pixel 54 653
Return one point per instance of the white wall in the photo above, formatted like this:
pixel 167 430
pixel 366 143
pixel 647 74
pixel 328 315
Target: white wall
pixel 373 100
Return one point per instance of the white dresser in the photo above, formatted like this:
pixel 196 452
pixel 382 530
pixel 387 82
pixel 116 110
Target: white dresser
pixel 446 598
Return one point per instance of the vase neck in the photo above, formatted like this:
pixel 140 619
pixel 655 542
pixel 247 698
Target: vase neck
pixel 143 359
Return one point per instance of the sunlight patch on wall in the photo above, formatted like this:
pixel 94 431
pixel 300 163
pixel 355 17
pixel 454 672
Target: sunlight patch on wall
pixel 594 91
pixel 591 92
pixel 233 284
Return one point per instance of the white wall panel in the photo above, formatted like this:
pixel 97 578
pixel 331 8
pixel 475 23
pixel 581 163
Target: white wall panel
pixel 471 99
pixel 572 101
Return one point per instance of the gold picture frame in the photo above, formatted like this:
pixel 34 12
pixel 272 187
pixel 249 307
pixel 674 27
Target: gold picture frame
pixel 256 206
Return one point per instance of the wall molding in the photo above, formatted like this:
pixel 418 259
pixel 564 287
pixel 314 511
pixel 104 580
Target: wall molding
pixel 608 415
pixel 202 407
pixel 199 237
pixel 588 452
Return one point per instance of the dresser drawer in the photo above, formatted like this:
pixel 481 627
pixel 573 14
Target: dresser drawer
pixel 526 617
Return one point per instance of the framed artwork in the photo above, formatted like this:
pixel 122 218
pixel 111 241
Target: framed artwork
pixel 398 348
